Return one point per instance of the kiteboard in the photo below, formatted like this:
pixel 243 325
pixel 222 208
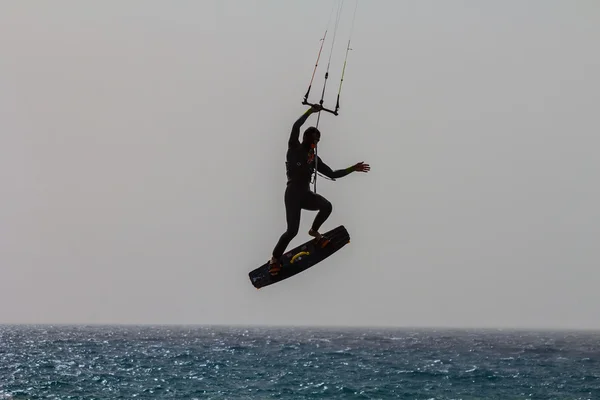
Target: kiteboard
pixel 301 258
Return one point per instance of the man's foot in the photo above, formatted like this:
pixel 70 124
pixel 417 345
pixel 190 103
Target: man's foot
pixel 315 234
pixel 274 266
pixel 320 239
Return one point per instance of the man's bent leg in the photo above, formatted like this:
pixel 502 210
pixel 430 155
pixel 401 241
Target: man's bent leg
pixel 317 202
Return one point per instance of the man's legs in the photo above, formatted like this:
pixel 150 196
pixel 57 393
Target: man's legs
pixel 295 201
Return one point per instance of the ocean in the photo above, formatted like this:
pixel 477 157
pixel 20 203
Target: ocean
pixel 218 362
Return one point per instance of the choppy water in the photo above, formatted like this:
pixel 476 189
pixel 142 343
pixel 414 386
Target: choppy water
pixel 112 362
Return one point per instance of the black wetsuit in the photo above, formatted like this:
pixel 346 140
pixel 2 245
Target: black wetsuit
pixel 300 166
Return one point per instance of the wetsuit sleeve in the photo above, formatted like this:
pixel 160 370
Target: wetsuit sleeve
pixel 295 134
pixel 328 172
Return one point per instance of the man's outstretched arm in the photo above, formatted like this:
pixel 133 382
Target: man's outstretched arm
pixel 295 134
pixel 339 173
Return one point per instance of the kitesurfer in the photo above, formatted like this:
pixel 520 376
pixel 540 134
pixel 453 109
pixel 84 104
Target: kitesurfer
pixel 300 165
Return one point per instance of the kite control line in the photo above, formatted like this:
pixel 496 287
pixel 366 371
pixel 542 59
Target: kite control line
pixel 337 105
pixel 305 101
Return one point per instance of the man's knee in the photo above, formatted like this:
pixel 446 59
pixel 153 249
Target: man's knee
pixel 327 207
pixel 292 230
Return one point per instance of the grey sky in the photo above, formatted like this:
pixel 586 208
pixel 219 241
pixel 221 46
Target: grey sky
pixel 143 146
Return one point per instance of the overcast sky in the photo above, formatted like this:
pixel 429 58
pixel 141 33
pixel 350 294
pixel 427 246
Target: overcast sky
pixel 143 145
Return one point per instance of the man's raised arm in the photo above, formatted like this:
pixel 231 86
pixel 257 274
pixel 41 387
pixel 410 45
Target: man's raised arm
pixel 295 133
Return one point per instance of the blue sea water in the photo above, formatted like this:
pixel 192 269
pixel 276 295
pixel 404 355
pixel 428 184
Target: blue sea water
pixel 189 362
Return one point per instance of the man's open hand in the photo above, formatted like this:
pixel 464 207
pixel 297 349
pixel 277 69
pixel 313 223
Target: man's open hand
pixel 362 167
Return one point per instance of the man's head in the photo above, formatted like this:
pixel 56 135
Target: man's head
pixel 311 136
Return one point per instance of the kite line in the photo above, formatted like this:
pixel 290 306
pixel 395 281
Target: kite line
pixel 321 100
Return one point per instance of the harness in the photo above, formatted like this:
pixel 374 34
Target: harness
pixel 300 165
